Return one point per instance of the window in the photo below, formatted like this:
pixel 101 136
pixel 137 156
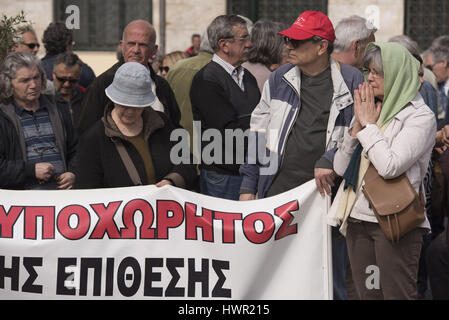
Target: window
pixel 277 10
pixel 426 20
pixel 102 21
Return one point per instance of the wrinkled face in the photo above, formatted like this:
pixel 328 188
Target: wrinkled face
pixel 237 48
pixel 376 80
pixel 128 115
pixel 27 85
pixel 303 52
pixel 30 44
pixel 439 68
pixel 136 45
pixel 66 78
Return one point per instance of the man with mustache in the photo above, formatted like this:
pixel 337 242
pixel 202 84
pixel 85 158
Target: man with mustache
pixel 66 75
pixel 138 44
pixel 223 95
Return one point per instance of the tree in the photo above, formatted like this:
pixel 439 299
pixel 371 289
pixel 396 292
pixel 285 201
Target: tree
pixel 8 33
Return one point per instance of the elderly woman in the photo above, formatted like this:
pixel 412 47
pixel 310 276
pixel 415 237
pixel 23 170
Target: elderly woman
pixel 37 139
pixel 394 130
pixel 131 144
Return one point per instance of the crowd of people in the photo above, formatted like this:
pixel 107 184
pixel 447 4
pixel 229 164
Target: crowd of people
pixel 323 103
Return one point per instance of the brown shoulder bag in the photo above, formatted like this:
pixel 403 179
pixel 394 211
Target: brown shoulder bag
pixel 395 203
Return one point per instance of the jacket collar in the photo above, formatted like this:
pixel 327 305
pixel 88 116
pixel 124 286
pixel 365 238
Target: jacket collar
pixel 342 97
pixel 151 119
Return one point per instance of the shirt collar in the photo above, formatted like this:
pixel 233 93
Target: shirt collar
pixel 226 65
pixel 20 110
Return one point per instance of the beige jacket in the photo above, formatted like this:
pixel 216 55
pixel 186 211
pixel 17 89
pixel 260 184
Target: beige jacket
pixel 405 146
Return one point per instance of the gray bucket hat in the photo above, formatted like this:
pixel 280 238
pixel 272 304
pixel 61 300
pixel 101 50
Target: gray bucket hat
pixel 132 86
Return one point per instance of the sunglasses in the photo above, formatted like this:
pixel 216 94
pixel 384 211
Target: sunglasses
pixel 164 69
pixel 32 45
pixel 64 80
pixel 293 42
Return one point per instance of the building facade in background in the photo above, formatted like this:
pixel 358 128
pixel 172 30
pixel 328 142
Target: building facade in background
pixel 101 22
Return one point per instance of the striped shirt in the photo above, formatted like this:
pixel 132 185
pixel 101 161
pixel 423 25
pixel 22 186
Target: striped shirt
pixel 40 143
pixel 235 73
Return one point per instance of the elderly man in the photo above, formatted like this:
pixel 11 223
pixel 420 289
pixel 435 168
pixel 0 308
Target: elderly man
pixel 437 60
pixel 138 44
pixel 352 35
pixel 27 40
pixel 223 95
pixel 66 75
pixel 306 106
pixel 37 138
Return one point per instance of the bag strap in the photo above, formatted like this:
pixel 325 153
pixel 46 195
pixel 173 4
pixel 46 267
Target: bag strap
pixel 130 167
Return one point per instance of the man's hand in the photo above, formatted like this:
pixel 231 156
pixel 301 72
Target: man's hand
pixel 44 171
pixel 66 181
pixel 163 182
pixel 247 196
pixel 324 179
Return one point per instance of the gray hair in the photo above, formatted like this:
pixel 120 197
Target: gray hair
pixel 441 41
pixel 352 29
pixel 205 45
pixel 268 45
pixel 249 23
pixel 439 49
pixel 373 56
pixel 8 71
pixel 221 28
pixel 24 29
pixel 406 42
pixel 69 59
pixel 439 53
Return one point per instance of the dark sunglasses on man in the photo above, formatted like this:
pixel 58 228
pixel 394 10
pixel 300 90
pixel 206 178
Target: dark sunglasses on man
pixel 64 80
pixel 164 69
pixel 296 43
pixel 32 45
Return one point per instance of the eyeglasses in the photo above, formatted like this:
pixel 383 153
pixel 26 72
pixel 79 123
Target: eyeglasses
pixel 32 45
pixel 293 42
pixel 64 80
pixel 164 69
pixel 430 66
pixel 375 74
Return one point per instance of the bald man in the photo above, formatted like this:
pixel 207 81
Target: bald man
pixel 138 44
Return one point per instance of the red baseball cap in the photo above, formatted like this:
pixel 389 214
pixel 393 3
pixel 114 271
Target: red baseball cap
pixel 309 24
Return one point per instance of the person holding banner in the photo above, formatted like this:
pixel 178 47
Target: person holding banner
pixel 37 139
pixel 394 130
pixel 305 107
pixel 131 144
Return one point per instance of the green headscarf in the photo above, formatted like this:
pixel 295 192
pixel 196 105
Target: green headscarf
pixel 401 80
pixel 401 84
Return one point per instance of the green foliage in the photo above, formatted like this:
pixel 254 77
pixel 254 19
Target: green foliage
pixel 8 32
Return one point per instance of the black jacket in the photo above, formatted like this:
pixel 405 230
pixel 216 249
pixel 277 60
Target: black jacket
pixel 14 169
pixel 219 103
pixel 95 100
pixel 100 165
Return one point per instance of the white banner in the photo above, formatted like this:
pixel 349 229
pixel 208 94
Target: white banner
pixel 163 243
